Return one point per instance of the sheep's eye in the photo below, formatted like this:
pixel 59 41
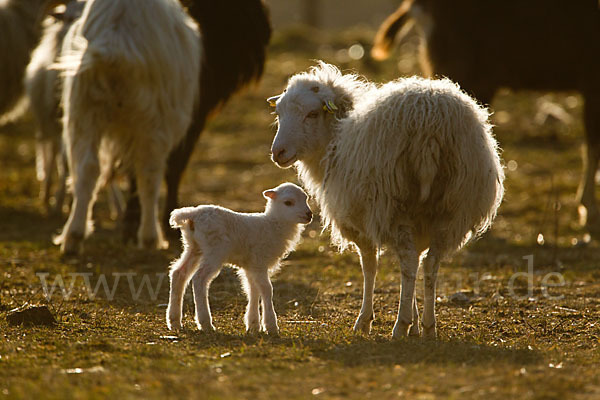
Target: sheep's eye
pixel 288 203
pixel 312 114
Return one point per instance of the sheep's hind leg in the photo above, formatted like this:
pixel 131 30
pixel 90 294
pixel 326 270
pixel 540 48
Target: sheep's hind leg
pixel 210 266
pixel 409 264
pixel 368 261
pixel 414 328
pixel 149 168
pixel 181 272
pixel 85 168
pixel 431 265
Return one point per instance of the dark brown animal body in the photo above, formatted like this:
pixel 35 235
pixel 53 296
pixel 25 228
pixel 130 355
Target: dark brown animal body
pixel 20 32
pixel 235 34
pixel 518 44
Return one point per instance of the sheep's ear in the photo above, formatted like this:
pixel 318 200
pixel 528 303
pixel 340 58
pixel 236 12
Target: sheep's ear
pixel 270 194
pixel 273 100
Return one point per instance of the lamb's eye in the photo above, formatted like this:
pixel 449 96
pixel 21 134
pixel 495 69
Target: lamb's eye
pixel 288 203
pixel 312 114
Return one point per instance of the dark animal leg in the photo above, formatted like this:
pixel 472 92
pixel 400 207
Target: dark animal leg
pixel 176 164
pixel 588 209
pixel 132 214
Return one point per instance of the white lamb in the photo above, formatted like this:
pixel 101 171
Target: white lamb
pixel 255 243
pixel 132 69
pixel 411 164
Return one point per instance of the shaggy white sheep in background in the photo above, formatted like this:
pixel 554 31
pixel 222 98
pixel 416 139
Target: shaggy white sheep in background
pixel 132 70
pixel 20 32
pixel 254 242
pixel 411 164
pixel 42 85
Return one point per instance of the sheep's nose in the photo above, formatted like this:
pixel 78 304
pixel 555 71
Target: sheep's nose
pixel 309 214
pixel 278 154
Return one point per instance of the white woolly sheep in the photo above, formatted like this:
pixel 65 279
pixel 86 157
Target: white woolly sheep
pixel 410 164
pixel 42 85
pixel 254 242
pixel 20 32
pixel 132 70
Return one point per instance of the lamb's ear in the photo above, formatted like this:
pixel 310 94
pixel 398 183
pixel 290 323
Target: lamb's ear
pixel 270 194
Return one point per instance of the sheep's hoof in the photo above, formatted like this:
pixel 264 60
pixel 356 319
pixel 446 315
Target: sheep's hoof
pixel 363 324
pixel 414 330
pixel 174 324
pixel 207 328
pixel 590 218
pixel 273 332
pixel 72 244
pixel 429 332
pixel 400 329
pixel 253 330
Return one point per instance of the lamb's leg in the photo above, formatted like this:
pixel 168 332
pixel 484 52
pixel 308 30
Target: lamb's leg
pixel 252 316
pixel 149 167
pixel 269 318
pixel 368 262
pixel 210 266
pixel 85 170
pixel 409 264
pixel 588 210
pixel 181 273
pixel 431 265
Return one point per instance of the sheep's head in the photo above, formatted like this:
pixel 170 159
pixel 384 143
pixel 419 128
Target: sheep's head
pixel 307 110
pixel 288 202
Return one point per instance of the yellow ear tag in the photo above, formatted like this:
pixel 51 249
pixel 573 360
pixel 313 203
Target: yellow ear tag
pixel 330 107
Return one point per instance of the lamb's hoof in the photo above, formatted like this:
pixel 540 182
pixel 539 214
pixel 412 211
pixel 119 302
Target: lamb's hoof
pixel 400 330
pixel 429 332
pixel 363 324
pixel 414 330
pixel 72 244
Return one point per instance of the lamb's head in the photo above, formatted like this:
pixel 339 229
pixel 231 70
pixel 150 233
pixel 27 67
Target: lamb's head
pixel 288 202
pixel 308 109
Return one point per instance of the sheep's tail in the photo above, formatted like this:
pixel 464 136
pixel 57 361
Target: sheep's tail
pixel 384 39
pixel 181 216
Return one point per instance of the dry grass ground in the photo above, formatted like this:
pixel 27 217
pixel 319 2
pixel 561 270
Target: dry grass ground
pixel 497 340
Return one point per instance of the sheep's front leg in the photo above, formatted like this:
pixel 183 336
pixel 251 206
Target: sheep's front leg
pixel 431 265
pixel 209 269
pixel 269 318
pixel 252 316
pixel 181 272
pixel 409 264
pixel 368 262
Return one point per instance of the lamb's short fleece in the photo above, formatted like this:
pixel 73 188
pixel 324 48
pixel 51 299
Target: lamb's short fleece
pixel 253 242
